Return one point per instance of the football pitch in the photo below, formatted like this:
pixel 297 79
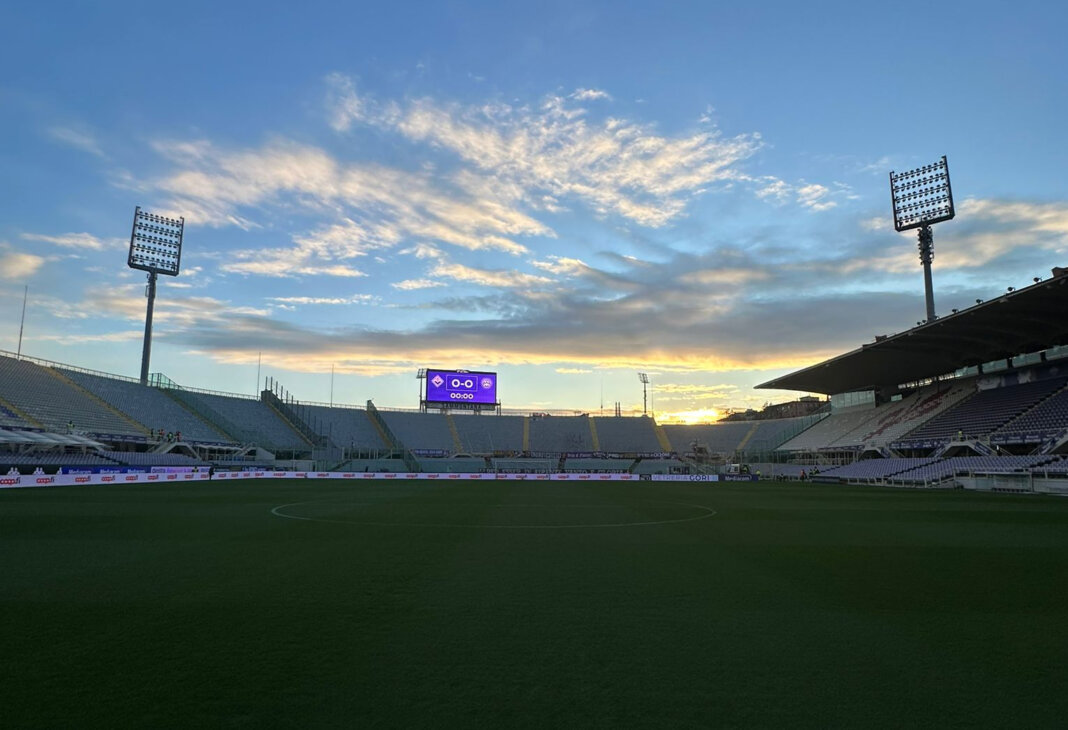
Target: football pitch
pixel 275 603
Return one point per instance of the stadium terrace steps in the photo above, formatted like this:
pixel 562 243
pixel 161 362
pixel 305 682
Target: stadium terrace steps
pixel 593 434
pixel 560 434
pixel 12 416
pixel 59 373
pixel 420 431
pixel 52 401
pixel 626 435
pixel 662 439
pixel 148 406
pixel 347 427
pixel 487 434
pixel 253 419
pixel 454 433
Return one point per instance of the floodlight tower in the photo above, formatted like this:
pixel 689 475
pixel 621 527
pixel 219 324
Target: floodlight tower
pixel 645 393
pixel 921 198
pixel 155 247
pixel 421 377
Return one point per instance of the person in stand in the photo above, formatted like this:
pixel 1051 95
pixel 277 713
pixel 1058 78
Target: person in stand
pixel 70 426
pixel 803 475
pixel 178 436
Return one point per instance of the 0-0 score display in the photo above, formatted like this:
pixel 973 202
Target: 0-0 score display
pixel 461 386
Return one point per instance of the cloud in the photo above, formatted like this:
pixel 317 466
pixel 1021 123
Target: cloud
pixel 815 197
pixel 79 138
pixel 355 299
pixel 574 371
pixel 17 265
pixel 614 166
pixel 590 95
pixel 377 207
pixel 414 284
pixel 84 241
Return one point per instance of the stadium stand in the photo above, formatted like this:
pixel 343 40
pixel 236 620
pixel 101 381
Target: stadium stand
pixel 484 434
pixel 10 419
pixel 984 412
pixel 940 470
pixel 659 466
pixel 48 398
pixel 626 435
pixel 560 434
pixel 454 465
pixel 421 431
pixel 525 466
pixel 597 466
pixel 253 417
pixel 873 469
pixel 719 438
pixel 142 458
pixel 1049 417
pixel 148 406
pixel 349 428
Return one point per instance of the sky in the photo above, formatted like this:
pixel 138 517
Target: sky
pixel 567 193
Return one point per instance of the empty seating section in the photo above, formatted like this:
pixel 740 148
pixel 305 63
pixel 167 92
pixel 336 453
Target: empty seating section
pixel 896 419
pixel 560 434
pixel 346 427
pixel 627 435
pixel 9 418
pixel 40 394
pixel 254 417
pixel 488 434
pixel 771 434
pixel 421 430
pixel 985 411
pixel 658 466
pixel 148 406
pixel 833 428
pixel 525 466
pixel 53 459
pixel 1049 416
pixel 138 458
pixel 939 470
pixel 719 438
pixel 874 468
pixel 454 466
pixel 598 466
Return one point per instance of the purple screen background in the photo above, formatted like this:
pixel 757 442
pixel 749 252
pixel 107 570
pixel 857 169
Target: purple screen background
pixel 442 386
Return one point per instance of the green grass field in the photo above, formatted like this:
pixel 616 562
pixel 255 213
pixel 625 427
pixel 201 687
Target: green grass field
pixel 520 604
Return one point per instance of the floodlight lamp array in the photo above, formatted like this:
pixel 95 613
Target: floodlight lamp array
pixel 922 196
pixel 156 243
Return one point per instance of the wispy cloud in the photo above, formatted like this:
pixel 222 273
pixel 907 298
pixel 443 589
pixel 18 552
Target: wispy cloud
pixel 414 284
pixel 77 137
pixel 355 299
pixel 84 241
pixel 547 153
pixel 17 264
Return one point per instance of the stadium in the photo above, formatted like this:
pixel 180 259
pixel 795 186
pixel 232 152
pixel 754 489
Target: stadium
pixel 977 399
pixel 822 509
pixel 224 559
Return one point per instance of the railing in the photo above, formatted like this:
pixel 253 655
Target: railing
pixel 394 442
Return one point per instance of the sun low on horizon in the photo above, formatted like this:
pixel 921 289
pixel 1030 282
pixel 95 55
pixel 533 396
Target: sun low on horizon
pixel 689 418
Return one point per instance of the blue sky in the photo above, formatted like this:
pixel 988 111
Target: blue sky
pixel 568 193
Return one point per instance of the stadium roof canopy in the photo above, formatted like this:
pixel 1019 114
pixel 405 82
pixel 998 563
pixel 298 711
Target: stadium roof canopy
pixel 1023 321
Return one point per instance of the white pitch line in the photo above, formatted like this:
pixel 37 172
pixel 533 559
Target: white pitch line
pixel 276 511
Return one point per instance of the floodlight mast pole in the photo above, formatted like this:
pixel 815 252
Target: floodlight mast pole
pixel 146 350
pixel 926 246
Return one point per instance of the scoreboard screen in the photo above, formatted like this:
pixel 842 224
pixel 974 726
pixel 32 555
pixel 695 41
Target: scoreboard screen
pixel 461 386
